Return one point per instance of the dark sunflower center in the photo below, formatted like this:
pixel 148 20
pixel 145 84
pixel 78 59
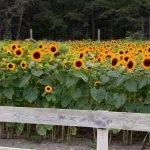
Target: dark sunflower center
pixel 108 56
pixel 149 50
pixel 40 46
pixel 78 64
pixel 97 83
pixel 18 52
pixel 130 65
pixel 13 47
pixel 114 61
pixel 36 55
pixel 99 59
pixel 48 88
pixel 53 49
pixel 147 62
pixel 121 52
pixel 81 55
pixel 23 65
pixel 10 65
pixel 19 46
pixel 126 58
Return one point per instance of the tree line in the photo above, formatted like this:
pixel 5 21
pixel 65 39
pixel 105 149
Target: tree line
pixel 78 19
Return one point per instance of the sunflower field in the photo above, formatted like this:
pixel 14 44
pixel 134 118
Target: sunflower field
pixel 90 75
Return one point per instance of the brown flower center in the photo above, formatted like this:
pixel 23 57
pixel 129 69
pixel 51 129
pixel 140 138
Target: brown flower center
pixel 36 55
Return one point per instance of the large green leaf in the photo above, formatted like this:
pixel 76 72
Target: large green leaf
pixel 121 80
pixel 147 100
pixel 81 75
pixel 19 128
pixel 24 80
pixel 131 86
pixel 113 73
pixel 45 80
pixel 37 72
pixel 41 129
pixel 105 80
pixel 142 82
pixel 66 101
pixel 119 99
pixel 31 94
pixel 8 92
pixel 70 81
pixel 76 93
pixel 98 94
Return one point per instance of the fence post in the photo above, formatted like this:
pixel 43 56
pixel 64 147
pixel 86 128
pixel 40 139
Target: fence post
pixel 102 139
pixel 31 34
pixel 99 36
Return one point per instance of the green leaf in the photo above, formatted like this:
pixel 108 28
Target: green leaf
pixel 113 73
pixel 70 81
pixel 11 125
pixel 62 77
pixel 105 80
pixel 57 89
pixel 98 94
pixel 147 100
pixel 49 127
pixel 121 80
pixel 48 97
pixel 41 129
pixel 45 80
pixel 81 75
pixel 131 86
pixel 24 80
pixel 66 101
pixel 9 92
pixel 76 93
pixel 119 99
pixel 37 72
pixel 116 131
pixel 53 98
pixel 19 128
pixel 142 83
pixel 31 94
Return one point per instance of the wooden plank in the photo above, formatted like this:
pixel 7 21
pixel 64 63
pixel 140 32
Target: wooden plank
pixel 82 118
pixel 102 139
pixel 10 148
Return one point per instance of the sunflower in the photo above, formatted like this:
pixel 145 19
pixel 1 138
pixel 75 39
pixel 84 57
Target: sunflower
pixel 126 57
pixel 114 62
pixel 13 46
pixel 11 66
pixel 81 55
pixel 41 46
pixel 121 52
pixel 5 48
pixel 18 52
pixel 53 49
pixel 78 64
pixel 48 89
pixel 96 83
pixel 145 63
pixel 23 64
pixel 36 55
pixel 130 66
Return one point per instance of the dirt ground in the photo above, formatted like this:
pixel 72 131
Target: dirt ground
pixel 76 144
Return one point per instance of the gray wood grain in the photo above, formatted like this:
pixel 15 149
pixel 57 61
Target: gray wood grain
pixel 82 118
pixel 10 148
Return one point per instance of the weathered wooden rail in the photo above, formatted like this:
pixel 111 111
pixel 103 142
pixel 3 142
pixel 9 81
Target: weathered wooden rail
pixel 102 120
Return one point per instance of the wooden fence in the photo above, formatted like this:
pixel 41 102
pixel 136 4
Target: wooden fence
pixel 102 120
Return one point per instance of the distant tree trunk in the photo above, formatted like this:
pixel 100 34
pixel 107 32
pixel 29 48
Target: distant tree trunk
pixel 20 20
pixel 142 27
pixel 93 25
